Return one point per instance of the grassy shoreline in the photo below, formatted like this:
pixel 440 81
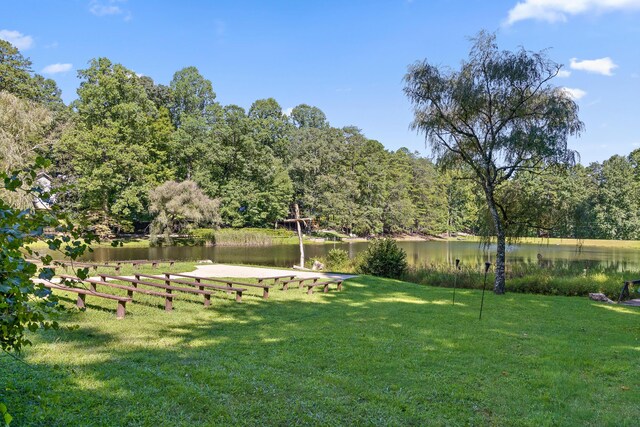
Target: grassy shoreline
pixel 618 244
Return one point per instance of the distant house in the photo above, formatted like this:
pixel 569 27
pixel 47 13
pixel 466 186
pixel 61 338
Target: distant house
pixel 43 181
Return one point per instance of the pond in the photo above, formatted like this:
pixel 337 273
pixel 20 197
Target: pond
pixel 418 253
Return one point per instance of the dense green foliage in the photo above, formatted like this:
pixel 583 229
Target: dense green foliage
pixel 126 135
pixel 384 258
pixel 381 352
pixel 117 146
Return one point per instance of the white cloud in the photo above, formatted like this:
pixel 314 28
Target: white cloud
pixel 288 112
pixel 103 9
pixel 109 7
pixel 599 66
pixel 564 73
pixel 574 93
pixel 17 39
pixel 558 10
pixel 57 68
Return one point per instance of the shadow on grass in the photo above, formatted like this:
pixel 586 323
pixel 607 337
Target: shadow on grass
pixel 381 352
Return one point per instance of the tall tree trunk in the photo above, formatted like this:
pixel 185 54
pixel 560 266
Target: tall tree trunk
pixel 499 284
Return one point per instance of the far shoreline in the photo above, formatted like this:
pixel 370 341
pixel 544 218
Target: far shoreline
pixel 144 241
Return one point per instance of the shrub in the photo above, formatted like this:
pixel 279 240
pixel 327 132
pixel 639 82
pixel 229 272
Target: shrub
pixel 338 259
pixel 384 258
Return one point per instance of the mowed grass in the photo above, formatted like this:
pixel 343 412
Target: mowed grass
pixel 381 352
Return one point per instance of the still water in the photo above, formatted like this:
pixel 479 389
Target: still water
pixel 418 253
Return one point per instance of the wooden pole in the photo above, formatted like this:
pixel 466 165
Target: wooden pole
pixel 455 280
pixel 299 229
pixel 486 269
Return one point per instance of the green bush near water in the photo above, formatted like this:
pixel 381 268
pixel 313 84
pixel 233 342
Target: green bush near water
pixel 384 258
pixel 338 260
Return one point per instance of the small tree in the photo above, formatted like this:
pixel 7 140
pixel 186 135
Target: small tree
pixel 179 206
pixel 499 115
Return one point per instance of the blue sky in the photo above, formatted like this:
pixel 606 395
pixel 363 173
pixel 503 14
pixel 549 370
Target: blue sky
pixel 346 57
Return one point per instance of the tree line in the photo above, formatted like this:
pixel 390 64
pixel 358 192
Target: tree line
pixel 122 151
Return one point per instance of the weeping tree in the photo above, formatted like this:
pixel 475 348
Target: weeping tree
pixel 179 206
pixel 500 115
pixel 26 129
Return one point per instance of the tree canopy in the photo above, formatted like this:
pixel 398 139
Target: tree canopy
pixel 117 146
pixel 304 115
pixel 16 77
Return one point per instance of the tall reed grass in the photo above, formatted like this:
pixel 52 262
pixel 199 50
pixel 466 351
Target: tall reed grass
pixel 242 236
pixel 569 280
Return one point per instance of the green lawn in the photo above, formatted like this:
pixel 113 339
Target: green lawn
pixel 381 352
